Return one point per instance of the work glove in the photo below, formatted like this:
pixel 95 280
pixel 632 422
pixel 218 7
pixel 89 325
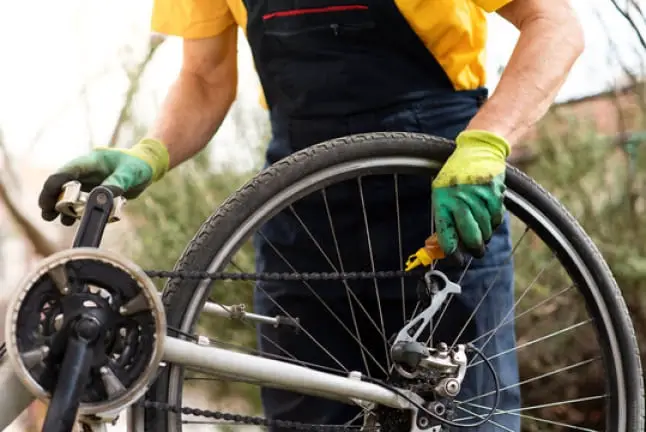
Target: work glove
pixel 125 172
pixel 468 193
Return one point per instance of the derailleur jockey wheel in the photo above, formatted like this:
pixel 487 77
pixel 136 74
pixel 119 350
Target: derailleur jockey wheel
pixel 105 302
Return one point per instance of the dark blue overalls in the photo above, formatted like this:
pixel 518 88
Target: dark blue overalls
pixel 330 71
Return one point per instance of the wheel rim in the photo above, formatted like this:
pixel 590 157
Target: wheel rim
pixel 411 165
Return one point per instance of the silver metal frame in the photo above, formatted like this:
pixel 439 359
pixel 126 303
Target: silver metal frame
pixel 234 365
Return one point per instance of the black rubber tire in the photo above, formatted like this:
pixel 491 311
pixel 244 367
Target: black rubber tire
pixel 213 234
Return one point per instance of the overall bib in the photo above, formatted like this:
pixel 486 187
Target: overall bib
pixel 330 71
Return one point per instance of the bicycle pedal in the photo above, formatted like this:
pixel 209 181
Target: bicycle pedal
pixel 72 202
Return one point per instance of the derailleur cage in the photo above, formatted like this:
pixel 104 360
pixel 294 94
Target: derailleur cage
pixel 449 364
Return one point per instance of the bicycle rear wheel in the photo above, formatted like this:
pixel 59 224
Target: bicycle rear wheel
pixel 402 154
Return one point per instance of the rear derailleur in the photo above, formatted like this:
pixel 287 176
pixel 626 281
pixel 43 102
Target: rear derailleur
pixel 435 374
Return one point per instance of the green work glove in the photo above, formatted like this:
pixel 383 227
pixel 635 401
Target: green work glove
pixel 125 172
pixel 468 192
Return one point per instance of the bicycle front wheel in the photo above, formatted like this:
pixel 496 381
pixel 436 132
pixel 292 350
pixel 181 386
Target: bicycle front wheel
pixel 594 367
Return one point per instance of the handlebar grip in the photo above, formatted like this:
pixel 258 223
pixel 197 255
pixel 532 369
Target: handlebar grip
pixel 72 201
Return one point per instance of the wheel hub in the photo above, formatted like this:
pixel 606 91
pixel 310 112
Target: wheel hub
pixel 105 300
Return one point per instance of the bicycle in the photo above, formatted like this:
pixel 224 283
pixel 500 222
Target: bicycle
pixel 109 351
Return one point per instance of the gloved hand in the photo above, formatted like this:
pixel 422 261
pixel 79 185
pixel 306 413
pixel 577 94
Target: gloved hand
pixel 125 172
pixel 468 192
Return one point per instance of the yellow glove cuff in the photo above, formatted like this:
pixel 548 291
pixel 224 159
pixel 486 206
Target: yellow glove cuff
pixel 151 151
pixel 154 153
pixel 482 138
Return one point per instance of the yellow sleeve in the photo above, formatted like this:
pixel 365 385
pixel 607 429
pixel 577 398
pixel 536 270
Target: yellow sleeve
pixel 491 5
pixel 191 19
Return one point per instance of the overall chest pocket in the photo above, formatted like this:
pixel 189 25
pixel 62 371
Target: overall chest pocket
pixel 294 17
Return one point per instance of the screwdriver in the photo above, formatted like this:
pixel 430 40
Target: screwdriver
pixel 426 255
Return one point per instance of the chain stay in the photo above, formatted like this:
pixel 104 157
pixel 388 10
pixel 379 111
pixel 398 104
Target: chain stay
pixel 251 420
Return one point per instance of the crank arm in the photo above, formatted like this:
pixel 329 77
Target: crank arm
pixel 66 397
pixel 424 318
pixel 98 210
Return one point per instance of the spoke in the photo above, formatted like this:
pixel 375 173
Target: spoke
pixel 498 425
pixel 555 423
pixel 372 265
pixel 345 282
pixel 541 406
pixel 511 310
pixel 525 312
pixel 431 321
pixel 259 353
pixel 447 303
pixel 450 298
pixel 537 419
pixel 489 288
pixel 334 268
pixel 415 309
pixel 355 418
pixel 399 242
pixel 303 329
pixel 532 342
pixel 464 272
pixel 250 325
pixel 536 378
pixel 329 309
pixel 553 404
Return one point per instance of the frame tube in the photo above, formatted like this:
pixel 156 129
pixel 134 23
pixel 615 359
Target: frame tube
pixel 15 397
pixel 239 366
pixel 278 374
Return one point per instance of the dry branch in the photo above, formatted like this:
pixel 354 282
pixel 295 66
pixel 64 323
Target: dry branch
pixel 625 13
pixel 41 244
pixel 134 77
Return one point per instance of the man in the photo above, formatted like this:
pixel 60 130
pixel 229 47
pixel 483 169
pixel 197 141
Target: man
pixel 334 68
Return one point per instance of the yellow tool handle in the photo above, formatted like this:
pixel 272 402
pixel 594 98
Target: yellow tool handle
pixel 426 255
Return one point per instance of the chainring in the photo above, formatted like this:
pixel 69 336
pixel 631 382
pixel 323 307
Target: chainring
pixel 124 362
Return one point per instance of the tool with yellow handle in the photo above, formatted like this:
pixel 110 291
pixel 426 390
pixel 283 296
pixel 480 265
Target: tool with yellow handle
pixel 426 255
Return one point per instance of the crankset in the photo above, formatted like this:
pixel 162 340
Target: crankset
pixel 85 330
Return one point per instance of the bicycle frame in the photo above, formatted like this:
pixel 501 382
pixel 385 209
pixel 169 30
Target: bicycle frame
pixel 224 363
pixel 239 367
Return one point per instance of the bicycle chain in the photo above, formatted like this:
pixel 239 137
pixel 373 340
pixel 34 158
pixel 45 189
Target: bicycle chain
pixel 241 419
pixel 310 276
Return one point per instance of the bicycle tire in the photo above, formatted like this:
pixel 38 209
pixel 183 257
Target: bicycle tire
pixel 217 230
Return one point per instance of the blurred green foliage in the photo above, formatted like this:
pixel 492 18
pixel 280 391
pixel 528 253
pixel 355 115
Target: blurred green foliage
pixel 601 180
pixel 165 218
